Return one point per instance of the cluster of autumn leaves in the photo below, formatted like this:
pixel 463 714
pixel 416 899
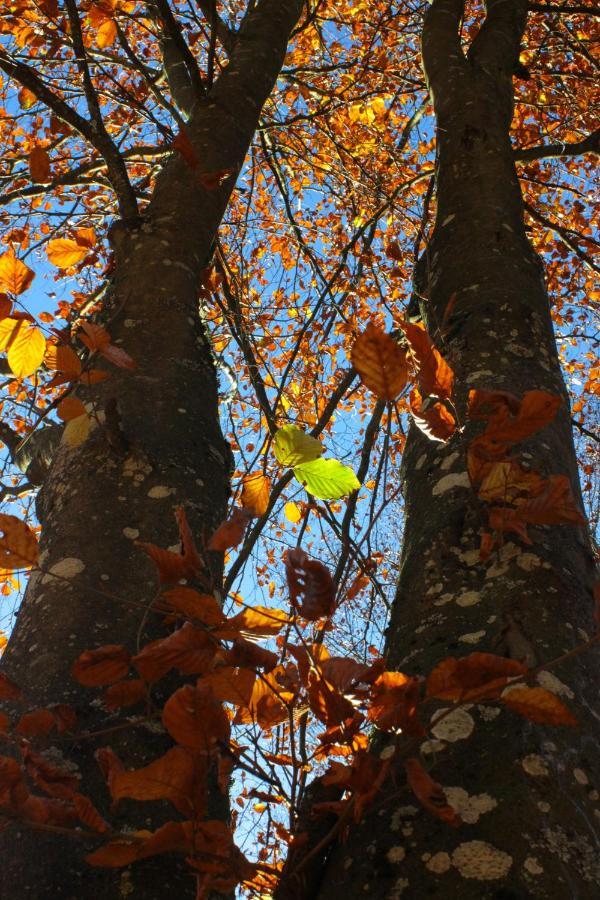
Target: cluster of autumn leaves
pixel 231 678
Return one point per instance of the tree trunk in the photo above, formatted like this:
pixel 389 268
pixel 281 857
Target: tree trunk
pixel 525 792
pixel 94 586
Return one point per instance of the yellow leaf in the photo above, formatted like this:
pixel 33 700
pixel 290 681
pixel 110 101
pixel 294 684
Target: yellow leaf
pixel 64 252
pixel 25 344
pixel 255 493
pixel 76 430
pixel 106 34
pixel 292 512
pixel 15 276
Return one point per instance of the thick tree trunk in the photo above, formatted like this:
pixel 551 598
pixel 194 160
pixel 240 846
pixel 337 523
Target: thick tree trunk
pixel 94 586
pixel 525 792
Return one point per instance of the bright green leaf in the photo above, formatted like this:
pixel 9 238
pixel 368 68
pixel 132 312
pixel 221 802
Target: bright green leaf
pixel 293 446
pixel 327 479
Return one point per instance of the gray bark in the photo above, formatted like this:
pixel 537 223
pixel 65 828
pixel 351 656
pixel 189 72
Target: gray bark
pixel 94 586
pixel 532 828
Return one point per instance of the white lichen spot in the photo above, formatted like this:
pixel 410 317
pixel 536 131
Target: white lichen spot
pixel 555 685
pixel 469 808
pixel 469 598
pixel 159 491
pixel 348 862
pixel 443 599
pixel 438 863
pixel 434 589
pixel 398 889
pixel 387 752
pixel 473 637
pixel 450 482
pixel 488 713
pixel 69 567
pixel 528 561
pixel 580 776
pixel 449 462
pixel 131 533
pixel 532 866
pixel 396 854
pixel 470 557
pixel 455 726
pixel 543 806
pixel 535 765
pixel 431 747
pixel 481 861
pixel 421 461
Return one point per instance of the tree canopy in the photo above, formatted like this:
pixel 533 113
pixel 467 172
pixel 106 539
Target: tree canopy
pixel 311 310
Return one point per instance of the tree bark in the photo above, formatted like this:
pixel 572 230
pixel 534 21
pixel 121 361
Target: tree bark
pixel 94 586
pixel 530 821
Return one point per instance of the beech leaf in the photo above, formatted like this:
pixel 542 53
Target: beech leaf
pixel 327 479
pixel 293 446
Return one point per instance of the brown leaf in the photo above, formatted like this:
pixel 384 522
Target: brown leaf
pixel 267 705
pixel 104 665
pixel 195 719
pixel 36 723
pixel 478 676
pixel 172 567
pixel 429 793
pixel 188 649
pixel 8 689
pixel 312 590
pixel 39 165
pixel 381 362
pixel 258 621
pixel 18 544
pixel 394 700
pixel 231 532
pixel 434 375
pixel 179 777
pixel 88 814
pixel 539 705
pixel 125 693
pixel 230 685
pixel 432 418
pixel 202 607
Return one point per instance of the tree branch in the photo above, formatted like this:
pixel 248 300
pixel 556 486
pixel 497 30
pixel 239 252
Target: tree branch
pixel 588 144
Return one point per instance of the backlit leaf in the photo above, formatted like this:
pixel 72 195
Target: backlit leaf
pixel 292 512
pixel 539 705
pixel 18 544
pixel 327 479
pixel 255 493
pixel 195 719
pixel 434 375
pixel 293 446
pixel 312 589
pixel 381 362
pixel 65 252
pixel 15 276
pixel 39 165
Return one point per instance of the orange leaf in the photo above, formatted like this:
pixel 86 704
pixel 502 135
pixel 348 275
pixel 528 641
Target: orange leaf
pixel 380 362
pixel 245 653
pixel 326 702
pixel 553 505
pixel 536 410
pixel 203 607
pixel 8 689
pixel 15 276
pixel 124 693
pixel 171 566
pixel 104 665
pixel 179 776
pixel 429 793
pixel 188 649
pixel 18 544
pixel 37 723
pixel 539 705
pixel 95 337
pixel 435 376
pixel 477 676
pixel 260 621
pixel 230 532
pixel 394 699
pixel 70 408
pixel 312 590
pixel 210 181
pixel 267 704
pixel 106 34
pixel 65 252
pixel 195 719
pixel 432 418
pixel 88 814
pixel 183 145
pixel 255 493
pixel 62 359
pixel 231 685
pixel 39 165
